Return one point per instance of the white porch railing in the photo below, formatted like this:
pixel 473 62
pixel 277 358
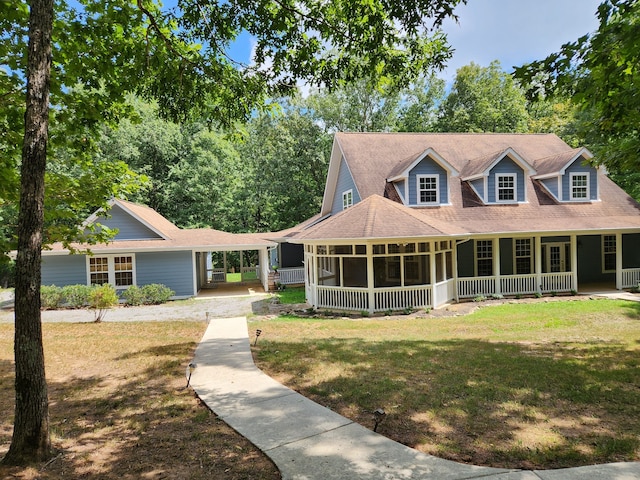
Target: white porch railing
pixel 630 277
pixel 291 276
pixel 399 298
pixel 518 284
pixel 557 282
pixel 343 298
pixel 469 287
pixel 445 291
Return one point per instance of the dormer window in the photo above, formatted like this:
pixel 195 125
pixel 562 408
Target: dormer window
pixel 428 191
pixel 580 186
pixel 506 188
pixel 347 199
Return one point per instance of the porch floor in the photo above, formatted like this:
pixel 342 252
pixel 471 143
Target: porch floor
pixel 591 288
pixel 231 290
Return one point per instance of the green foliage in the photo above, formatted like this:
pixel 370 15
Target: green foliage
pixel 50 297
pixel 155 294
pixel 76 296
pixel 101 298
pixel 7 272
pixel 479 298
pixel 292 295
pixel 483 99
pixel 133 296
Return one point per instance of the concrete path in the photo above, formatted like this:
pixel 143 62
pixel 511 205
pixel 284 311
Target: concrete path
pixel 309 442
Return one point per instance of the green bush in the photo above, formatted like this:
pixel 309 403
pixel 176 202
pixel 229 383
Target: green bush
pixel 156 293
pixel 76 296
pixel 133 296
pixel 101 298
pixel 50 297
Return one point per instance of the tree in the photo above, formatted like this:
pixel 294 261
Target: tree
pixel 600 73
pixel 420 104
pixel 103 50
pixel 483 99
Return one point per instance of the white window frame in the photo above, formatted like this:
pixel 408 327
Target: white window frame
pixel 514 179
pixel 347 199
pixel 490 244
pixel 419 190
pixel 111 269
pixel 587 196
pixel 516 256
pixel 609 250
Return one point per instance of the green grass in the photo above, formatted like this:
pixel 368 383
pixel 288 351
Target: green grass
pixel 543 385
pixel 292 295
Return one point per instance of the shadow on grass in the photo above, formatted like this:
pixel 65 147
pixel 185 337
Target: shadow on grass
pixel 134 420
pixel 499 404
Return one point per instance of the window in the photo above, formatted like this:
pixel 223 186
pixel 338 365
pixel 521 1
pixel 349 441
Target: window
pixel 523 257
pixel 505 188
pixel 609 253
pixel 347 199
pixel 579 186
pixel 116 270
pixel 484 258
pixel 428 189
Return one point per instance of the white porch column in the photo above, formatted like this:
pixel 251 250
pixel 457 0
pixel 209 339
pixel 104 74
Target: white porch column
pixel 314 266
pixel 538 262
pixel 496 265
pixel 432 268
pixel 263 260
pixel 454 262
pixel 574 262
pixel 618 261
pixel 370 279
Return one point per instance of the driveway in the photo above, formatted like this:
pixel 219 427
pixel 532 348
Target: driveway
pixel 216 303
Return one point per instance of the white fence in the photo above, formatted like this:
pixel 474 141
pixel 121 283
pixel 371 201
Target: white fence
pixel 630 277
pixel 341 298
pixel 469 287
pixel 291 276
pixel 399 298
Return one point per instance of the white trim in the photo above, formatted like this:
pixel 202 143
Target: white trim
pixel 433 155
pixel 514 178
pixel 515 255
pixel 111 271
pixel 587 197
pixel 491 242
pixel 347 199
pixel 420 177
pixel 603 253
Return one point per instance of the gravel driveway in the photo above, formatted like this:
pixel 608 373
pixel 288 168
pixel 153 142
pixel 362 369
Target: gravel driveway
pixel 225 304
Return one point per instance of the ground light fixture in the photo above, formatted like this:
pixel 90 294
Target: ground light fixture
pixel 258 332
pixel 190 368
pixel 378 417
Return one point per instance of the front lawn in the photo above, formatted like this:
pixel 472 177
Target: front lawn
pixel 540 385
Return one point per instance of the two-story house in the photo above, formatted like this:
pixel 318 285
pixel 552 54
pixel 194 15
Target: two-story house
pixel 418 220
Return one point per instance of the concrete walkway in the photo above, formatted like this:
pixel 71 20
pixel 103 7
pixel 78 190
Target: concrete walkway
pixel 309 442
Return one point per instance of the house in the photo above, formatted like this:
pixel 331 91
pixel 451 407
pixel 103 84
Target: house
pixel 148 248
pixel 419 220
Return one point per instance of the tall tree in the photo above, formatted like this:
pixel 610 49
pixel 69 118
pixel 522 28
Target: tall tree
pixel 483 99
pixel 420 104
pixel 182 59
pixel 600 72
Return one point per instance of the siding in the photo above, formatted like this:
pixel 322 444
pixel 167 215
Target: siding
pixel 505 166
pixel 551 184
pixel 64 270
pixel 506 256
pixel 428 167
pixel 128 227
pixel 173 269
pixel 576 167
pixel 345 182
pixel 478 186
pixel 466 267
pixel 630 250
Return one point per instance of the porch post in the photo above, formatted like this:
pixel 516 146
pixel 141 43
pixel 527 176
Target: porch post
pixel 240 253
pixel 538 261
pixel 432 268
pixel 619 261
pixel 496 265
pixel 455 270
pixel 314 265
pixel 370 279
pixel 574 262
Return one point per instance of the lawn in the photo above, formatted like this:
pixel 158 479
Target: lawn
pixel 119 409
pixel 540 385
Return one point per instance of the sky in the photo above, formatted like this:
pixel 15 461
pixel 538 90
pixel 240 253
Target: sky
pixel 515 31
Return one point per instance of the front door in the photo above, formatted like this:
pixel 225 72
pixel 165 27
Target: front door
pixel 555 255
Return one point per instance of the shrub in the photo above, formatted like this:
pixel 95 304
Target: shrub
pixel 156 293
pixel 497 296
pixel 76 296
pixel 101 298
pixel 537 295
pixel 479 298
pixel 133 296
pixel 50 297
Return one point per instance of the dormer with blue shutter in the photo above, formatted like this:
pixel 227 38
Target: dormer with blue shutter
pixel 499 178
pixel 423 181
pixel 569 177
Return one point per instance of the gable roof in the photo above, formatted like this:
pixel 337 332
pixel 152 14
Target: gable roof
pixel 480 167
pixel 557 164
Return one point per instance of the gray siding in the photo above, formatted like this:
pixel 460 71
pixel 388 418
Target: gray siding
pixel 345 182
pixel 590 260
pixel 173 269
pixel 478 185
pixel 128 227
pixel 504 166
pixel 428 167
pixel 551 184
pixel 64 270
pixel 576 167
pixel 631 250
pixel 506 256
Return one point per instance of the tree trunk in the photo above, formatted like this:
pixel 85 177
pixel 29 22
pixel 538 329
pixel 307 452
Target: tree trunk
pixel 31 441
